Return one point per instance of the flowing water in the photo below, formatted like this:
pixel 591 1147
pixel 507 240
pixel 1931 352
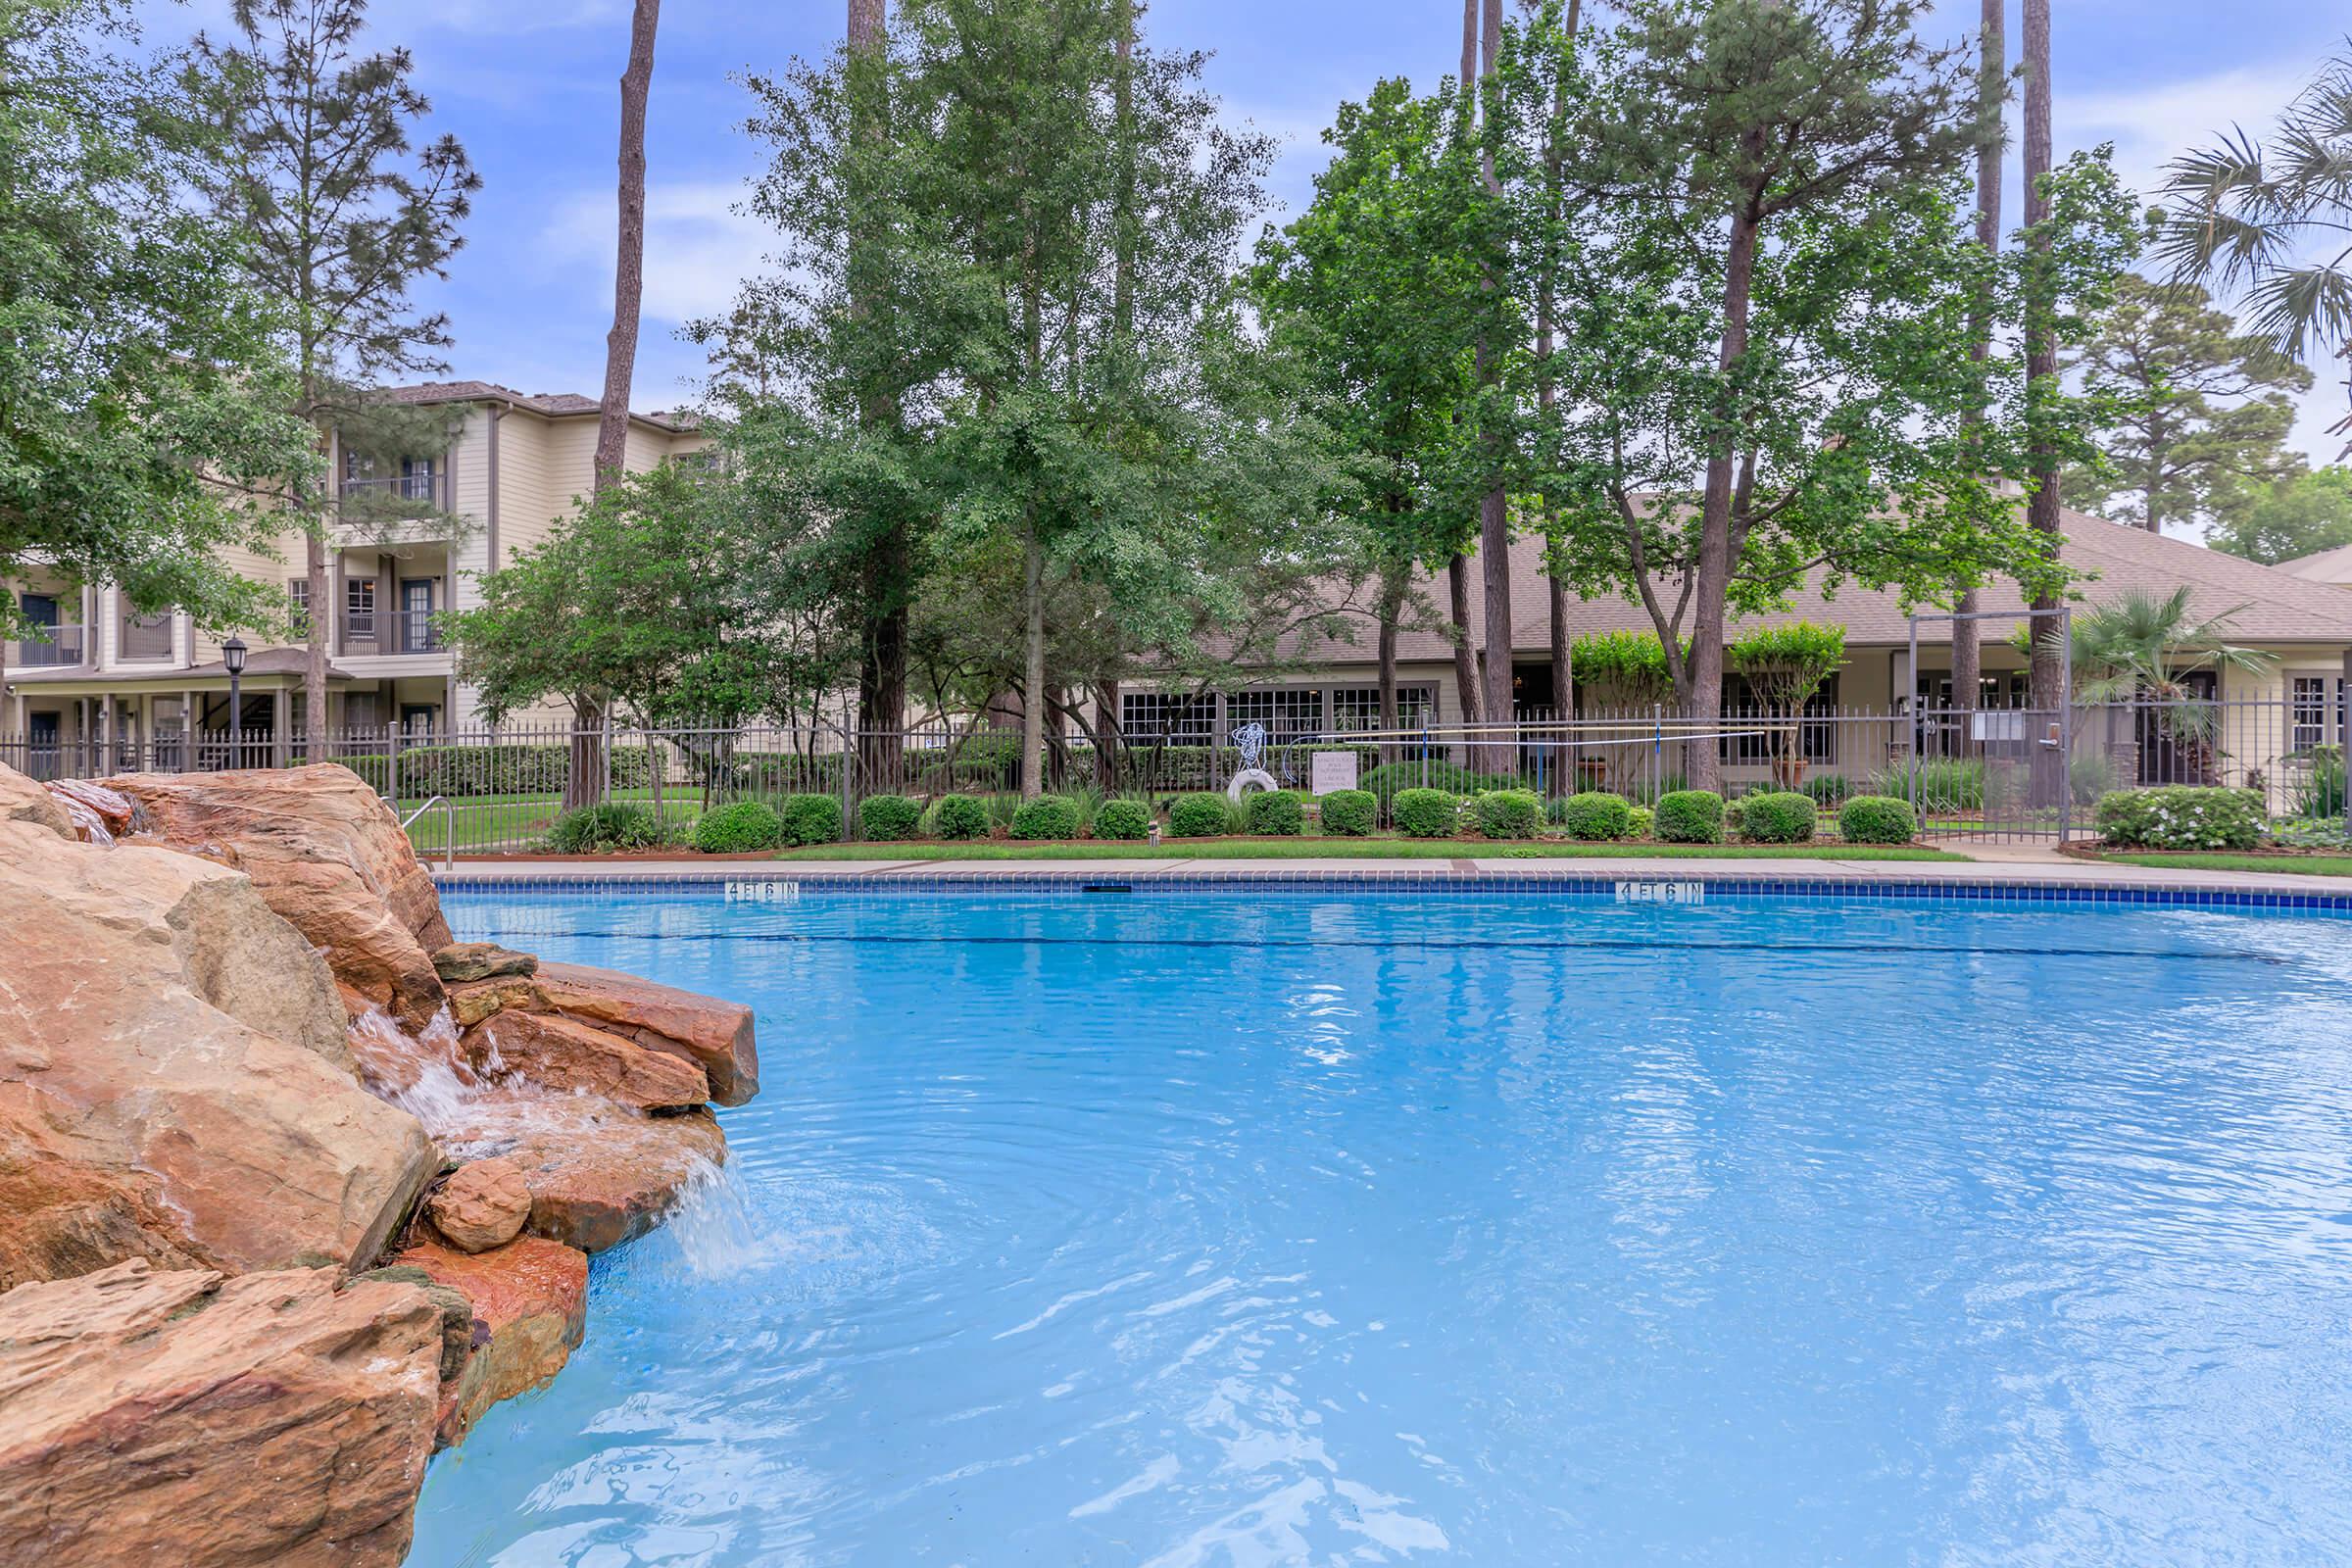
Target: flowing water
pixel 1318 1228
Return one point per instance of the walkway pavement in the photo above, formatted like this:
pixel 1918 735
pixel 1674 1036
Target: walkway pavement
pixel 2017 866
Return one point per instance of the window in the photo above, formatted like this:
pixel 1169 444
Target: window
pixel 1289 715
pixel 1172 719
pixel 1759 740
pixel 2010 689
pixel 1357 709
pixel 299 590
pixel 359 595
pixel 2313 721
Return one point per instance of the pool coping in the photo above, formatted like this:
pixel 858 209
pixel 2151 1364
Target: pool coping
pixel 1627 880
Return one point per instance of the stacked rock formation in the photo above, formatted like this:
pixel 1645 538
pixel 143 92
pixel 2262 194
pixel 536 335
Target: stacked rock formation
pixel 281 1158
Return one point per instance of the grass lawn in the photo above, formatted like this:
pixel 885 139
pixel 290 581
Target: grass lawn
pixel 2202 860
pixel 520 821
pixel 1374 849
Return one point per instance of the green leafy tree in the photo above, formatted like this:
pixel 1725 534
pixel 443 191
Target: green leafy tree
pixel 634 608
pixel 2269 223
pixel 343 217
pixel 142 387
pixel 1370 291
pixel 2146 646
pixel 1777 294
pixel 1785 665
pixel 2289 518
pixel 2203 410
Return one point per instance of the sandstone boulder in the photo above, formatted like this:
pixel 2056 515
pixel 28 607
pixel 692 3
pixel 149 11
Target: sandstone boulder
pixel 611 1175
pixel 483 1204
pixel 714 1034
pixel 174 1082
pixel 327 854
pixel 24 801
pixel 271 1421
pixel 471 1004
pixel 529 1301
pixel 463 961
pixel 563 1053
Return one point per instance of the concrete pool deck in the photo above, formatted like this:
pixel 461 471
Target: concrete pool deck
pixel 2000 866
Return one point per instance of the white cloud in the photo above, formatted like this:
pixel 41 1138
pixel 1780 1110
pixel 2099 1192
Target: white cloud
pixel 698 250
pixel 2153 125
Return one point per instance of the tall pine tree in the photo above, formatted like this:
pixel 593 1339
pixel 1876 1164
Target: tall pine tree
pixel 344 216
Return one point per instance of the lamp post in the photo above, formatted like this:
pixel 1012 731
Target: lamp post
pixel 232 654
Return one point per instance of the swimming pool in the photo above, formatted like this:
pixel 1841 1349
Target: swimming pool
pixel 1322 1226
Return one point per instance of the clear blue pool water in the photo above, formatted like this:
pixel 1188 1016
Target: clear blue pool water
pixel 1328 1227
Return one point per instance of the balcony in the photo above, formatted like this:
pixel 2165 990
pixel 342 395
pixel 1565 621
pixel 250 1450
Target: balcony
pixel 390 631
pixel 395 487
pixel 145 638
pixel 63 651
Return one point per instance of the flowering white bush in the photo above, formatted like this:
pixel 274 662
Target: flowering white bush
pixel 2183 817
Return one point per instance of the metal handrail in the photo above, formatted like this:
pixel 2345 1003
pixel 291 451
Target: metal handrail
pixel 449 828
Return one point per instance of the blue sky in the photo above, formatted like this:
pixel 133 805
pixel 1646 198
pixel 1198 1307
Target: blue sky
pixel 532 90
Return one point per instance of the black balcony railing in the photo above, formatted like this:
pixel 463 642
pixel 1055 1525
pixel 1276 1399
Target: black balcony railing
pixel 62 650
pixel 397 487
pixel 394 631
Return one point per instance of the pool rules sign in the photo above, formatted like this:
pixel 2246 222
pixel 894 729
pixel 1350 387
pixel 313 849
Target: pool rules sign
pixel 1333 771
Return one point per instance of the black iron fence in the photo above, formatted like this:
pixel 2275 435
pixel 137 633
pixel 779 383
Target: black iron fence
pixel 2020 773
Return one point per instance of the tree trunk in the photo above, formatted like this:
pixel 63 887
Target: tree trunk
pixel 1391 607
pixel 1032 662
pixel 1493 512
pixel 1993 70
pixel 2041 354
pixel 584 776
pixel 1465 655
pixel 882 663
pixel 628 270
pixel 1703 684
pixel 317 745
pixel 1109 744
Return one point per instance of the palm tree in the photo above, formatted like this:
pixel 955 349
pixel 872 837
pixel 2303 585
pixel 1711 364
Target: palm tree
pixel 2270 224
pixel 2150 648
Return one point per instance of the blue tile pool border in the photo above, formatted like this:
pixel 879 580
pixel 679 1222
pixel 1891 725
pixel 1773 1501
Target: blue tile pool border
pixel 1602 888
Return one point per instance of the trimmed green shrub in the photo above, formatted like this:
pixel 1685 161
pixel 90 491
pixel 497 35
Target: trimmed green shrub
pixel 1690 816
pixel 1197 816
pixel 1350 813
pixel 1638 822
pixel 1123 819
pixel 1596 815
pixel 1391 779
pixel 811 819
pixel 1876 820
pixel 1275 812
pixel 955 817
pixel 597 829
pixel 739 828
pixel 882 818
pixel 1049 817
pixel 1427 814
pixel 2183 817
pixel 1507 814
pixel 1778 817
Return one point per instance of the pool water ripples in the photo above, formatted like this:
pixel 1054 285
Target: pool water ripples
pixel 1320 1228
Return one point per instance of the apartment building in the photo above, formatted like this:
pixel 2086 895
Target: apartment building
pixel 513 464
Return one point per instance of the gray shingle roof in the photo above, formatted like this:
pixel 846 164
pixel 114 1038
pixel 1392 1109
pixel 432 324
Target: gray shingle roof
pixel 552 405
